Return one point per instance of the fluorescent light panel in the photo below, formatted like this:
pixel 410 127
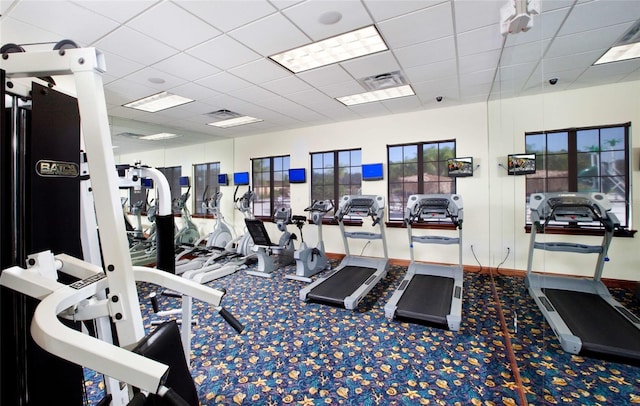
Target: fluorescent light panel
pixel 377 95
pixel 159 136
pixel 157 102
pixel 350 45
pixel 233 122
pixel 620 53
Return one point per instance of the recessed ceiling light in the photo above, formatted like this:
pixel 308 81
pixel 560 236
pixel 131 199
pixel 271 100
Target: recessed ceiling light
pixel 625 48
pixel 378 95
pixel 159 136
pixel 157 102
pixel 233 122
pixel 620 53
pixel 340 48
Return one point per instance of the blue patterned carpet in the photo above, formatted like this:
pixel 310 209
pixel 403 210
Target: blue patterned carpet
pixel 293 352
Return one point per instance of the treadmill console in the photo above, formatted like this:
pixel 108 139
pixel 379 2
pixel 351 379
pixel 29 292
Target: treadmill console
pixel 434 207
pixel 361 206
pixel 571 207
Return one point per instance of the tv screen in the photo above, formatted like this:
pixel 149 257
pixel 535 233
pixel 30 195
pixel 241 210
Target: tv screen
pixel 147 183
pixel 372 171
pixel 184 181
pixel 297 175
pixel 223 180
pixel 521 164
pixel 241 178
pixel 458 167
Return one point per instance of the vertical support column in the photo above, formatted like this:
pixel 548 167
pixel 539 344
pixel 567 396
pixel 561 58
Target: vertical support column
pixel 95 125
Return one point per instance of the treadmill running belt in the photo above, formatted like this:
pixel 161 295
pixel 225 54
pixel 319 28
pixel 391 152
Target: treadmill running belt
pixel 341 284
pixel 600 327
pixel 427 298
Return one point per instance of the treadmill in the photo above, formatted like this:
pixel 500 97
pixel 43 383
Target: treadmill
pixel 356 275
pixel 431 293
pixel 581 311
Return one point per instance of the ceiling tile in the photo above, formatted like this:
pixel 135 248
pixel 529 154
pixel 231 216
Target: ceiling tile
pixel 227 15
pixel 307 15
pixel 342 89
pixel 567 62
pixel 426 25
pixel 286 85
pixel 119 11
pixel 148 77
pixel 426 52
pixel 477 78
pixel 596 14
pixel 254 94
pixel 431 71
pixel 370 65
pixel 135 46
pixel 325 75
pixel 260 71
pixel 527 52
pixel 186 67
pixel 174 26
pixel 14 31
pixel 223 52
pixel 545 26
pixel 270 35
pixel 585 41
pixel 481 61
pixel 193 91
pixel 470 15
pixel 383 10
pixel 123 91
pixel 67 19
pixel 480 40
pixel 224 82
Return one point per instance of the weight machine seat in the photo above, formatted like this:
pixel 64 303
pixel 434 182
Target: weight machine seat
pixel 258 233
pixel 164 345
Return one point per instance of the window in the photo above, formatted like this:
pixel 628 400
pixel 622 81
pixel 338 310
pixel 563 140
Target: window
pixel 270 178
pixel 205 181
pixel 173 173
pixel 418 168
pixel 335 174
pixel 593 159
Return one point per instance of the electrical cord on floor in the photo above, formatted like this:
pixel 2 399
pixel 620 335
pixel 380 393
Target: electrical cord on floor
pixel 363 248
pixel 503 261
pixel 474 255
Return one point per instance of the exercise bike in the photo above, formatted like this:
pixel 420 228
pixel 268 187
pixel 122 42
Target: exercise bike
pixel 311 260
pixel 272 256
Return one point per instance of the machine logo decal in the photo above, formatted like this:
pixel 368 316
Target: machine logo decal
pixel 47 168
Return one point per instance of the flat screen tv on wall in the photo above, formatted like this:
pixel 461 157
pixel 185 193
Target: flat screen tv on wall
pixel 241 178
pixel 460 167
pixel 521 164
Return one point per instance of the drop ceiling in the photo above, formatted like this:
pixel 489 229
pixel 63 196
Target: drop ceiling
pixel 216 52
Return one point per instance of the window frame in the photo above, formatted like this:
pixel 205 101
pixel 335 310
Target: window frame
pixel 573 174
pixel 270 184
pixel 337 184
pixel 212 170
pixel 420 182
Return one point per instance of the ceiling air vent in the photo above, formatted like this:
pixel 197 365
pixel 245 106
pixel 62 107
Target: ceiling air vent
pixel 383 81
pixel 223 114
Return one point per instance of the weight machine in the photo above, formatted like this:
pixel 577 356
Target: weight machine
pixel 83 299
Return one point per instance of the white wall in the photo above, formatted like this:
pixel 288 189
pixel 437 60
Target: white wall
pixel 509 120
pixel 494 202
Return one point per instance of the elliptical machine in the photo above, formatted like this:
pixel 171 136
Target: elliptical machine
pixel 311 260
pixel 221 234
pixel 189 233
